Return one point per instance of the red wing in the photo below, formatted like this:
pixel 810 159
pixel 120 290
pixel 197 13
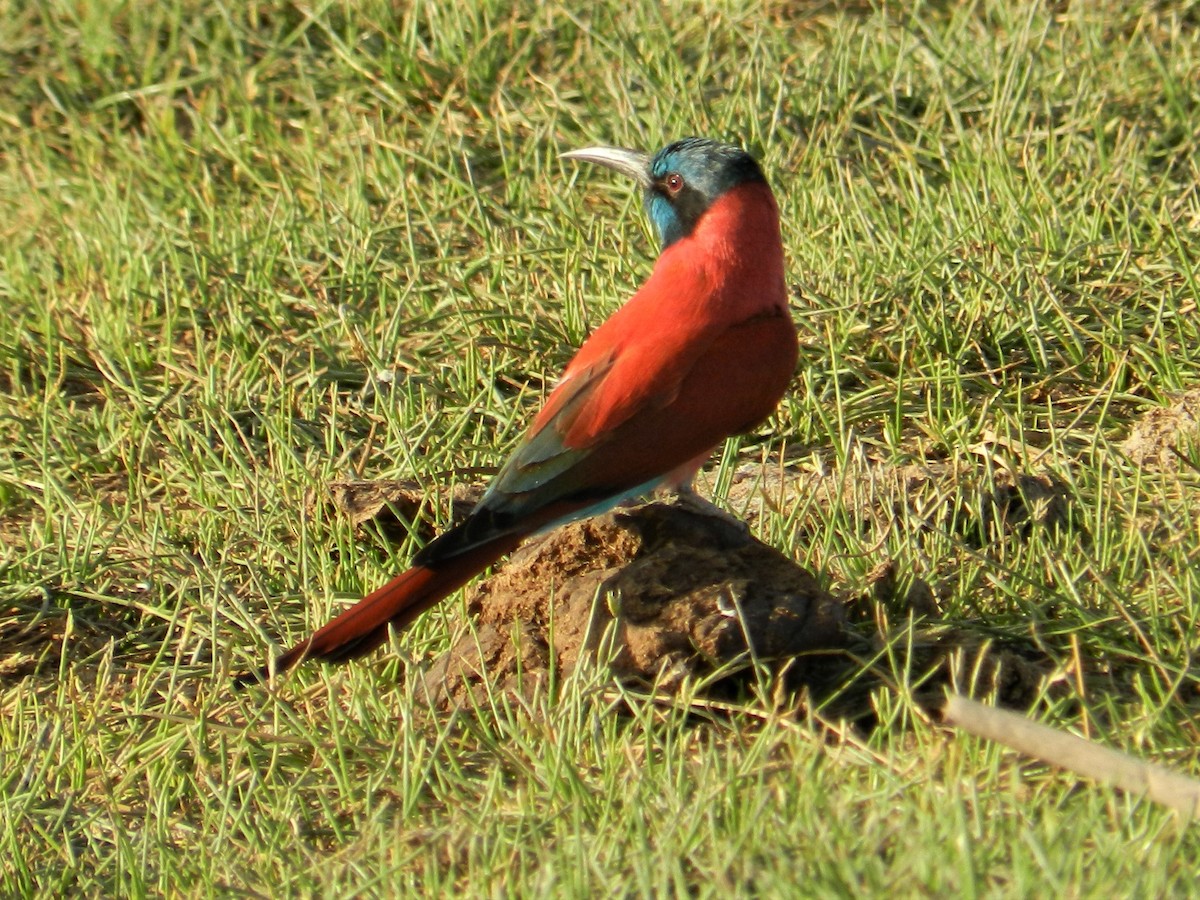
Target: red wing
pixel 615 426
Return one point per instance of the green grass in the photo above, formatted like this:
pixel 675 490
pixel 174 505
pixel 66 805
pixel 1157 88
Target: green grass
pixel 221 224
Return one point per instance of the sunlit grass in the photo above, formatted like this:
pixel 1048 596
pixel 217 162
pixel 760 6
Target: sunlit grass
pixel 248 251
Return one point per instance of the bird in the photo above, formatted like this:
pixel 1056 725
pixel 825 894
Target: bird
pixel 705 349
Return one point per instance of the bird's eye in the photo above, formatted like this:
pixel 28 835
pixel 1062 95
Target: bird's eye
pixel 674 182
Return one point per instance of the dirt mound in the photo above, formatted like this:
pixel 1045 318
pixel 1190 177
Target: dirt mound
pixel 395 507
pixel 662 592
pixel 979 501
pixel 665 592
pixel 1164 434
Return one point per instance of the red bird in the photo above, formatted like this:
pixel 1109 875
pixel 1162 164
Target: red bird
pixel 704 350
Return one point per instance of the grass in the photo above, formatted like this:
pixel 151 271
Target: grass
pixel 246 250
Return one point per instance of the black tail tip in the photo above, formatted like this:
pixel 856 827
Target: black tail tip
pixel 254 676
pixel 281 664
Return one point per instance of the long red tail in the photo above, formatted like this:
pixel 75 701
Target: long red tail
pixel 364 626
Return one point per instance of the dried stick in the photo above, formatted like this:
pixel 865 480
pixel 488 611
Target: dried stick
pixel 1075 754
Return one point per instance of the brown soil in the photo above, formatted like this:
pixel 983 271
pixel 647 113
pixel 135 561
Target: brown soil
pixel 661 592
pixel 396 506
pixel 990 499
pixel 665 592
pixel 1164 434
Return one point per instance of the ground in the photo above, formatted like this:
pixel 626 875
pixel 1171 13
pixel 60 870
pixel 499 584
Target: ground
pixel 252 254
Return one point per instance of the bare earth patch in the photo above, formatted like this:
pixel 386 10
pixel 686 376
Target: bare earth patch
pixel 396 506
pixel 1163 434
pixel 983 500
pixel 661 591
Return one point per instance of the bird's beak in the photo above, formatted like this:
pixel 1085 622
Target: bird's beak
pixel 633 163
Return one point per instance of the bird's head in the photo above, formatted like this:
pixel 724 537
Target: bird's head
pixel 681 181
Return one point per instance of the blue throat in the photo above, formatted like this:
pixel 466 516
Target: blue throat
pixel 708 169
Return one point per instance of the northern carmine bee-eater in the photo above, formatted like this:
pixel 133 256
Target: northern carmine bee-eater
pixel 704 350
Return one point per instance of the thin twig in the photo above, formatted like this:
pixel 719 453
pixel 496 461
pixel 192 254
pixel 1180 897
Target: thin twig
pixel 1075 754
